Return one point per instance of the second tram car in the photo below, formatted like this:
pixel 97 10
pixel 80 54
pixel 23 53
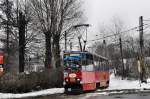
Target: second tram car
pixel 84 71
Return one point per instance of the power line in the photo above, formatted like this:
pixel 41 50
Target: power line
pixel 134 28
pixel 147 27
pixel 113 34
pixel 108 36
pixel 146 19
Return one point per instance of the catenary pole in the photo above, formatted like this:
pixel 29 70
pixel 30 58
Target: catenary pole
pixel 121 52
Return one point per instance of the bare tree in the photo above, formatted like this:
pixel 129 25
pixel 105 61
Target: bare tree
pixel 19 19
pixel 114 29
pixel 52 16
pixel 6 7
pixel 44 18
pixel 69 13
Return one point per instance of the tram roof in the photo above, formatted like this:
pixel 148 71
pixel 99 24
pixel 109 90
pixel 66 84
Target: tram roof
pixel 94 54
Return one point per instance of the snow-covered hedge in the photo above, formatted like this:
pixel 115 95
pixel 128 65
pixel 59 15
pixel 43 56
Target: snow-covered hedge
pixel 33 81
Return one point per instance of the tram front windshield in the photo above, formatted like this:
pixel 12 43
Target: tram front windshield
pixel 72 66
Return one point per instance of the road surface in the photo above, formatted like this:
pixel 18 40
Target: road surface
pixel 96 96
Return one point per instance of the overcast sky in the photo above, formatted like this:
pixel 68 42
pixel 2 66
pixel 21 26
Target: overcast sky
pixel 102 11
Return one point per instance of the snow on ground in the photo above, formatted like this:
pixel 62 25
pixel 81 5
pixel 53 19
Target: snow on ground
pixel 32 94
pixel 118 83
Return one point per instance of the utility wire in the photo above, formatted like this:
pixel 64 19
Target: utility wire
pixel 148 19
pixel 147 27
pixel 108 36
pixel 113 34
pixel 134 28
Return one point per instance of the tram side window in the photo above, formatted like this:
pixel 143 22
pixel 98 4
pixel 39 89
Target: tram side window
pixel 96 65
pixel 106 66
pixel 83 68
pixel 88 68
pixel 88 63
pixel 97 68
pixel 100 66
pixel 88 60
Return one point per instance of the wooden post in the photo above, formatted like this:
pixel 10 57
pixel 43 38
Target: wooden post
pixel 121 57
pixel 142 59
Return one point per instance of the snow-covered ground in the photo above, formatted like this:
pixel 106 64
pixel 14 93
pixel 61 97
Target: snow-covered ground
pixel 118 83
pixel 32 94
pixel 115 84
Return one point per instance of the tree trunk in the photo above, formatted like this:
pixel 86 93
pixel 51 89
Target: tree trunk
pixel 22 25
pixel 48 54
pixel 56 52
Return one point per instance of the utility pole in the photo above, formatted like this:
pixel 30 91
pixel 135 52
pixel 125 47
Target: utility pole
pixel 143 73
pixel 141 35
pixel 104 50
pixel 121 52
pixel 65 40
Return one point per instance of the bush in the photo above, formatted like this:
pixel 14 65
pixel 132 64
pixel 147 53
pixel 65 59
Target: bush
pixel 21 83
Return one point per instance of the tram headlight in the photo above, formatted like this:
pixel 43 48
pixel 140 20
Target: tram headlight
pixel 78 79
pixel 81 82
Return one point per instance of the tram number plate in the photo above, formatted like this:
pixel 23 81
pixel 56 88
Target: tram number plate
pixel 69 89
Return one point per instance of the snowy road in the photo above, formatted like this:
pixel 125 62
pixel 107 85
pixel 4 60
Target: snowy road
pixel 97 96
pixel 127 96
pixel 131 96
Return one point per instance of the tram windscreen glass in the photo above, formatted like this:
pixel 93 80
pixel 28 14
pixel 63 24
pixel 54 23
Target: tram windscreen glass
pixel 72 66
pixel 72 62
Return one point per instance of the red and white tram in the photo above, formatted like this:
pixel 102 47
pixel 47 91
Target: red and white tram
pixel 84 71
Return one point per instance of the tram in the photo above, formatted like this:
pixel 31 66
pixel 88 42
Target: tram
pixel 85 71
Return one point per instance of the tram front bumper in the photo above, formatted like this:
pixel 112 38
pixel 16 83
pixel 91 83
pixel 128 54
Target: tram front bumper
pixel 73 88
